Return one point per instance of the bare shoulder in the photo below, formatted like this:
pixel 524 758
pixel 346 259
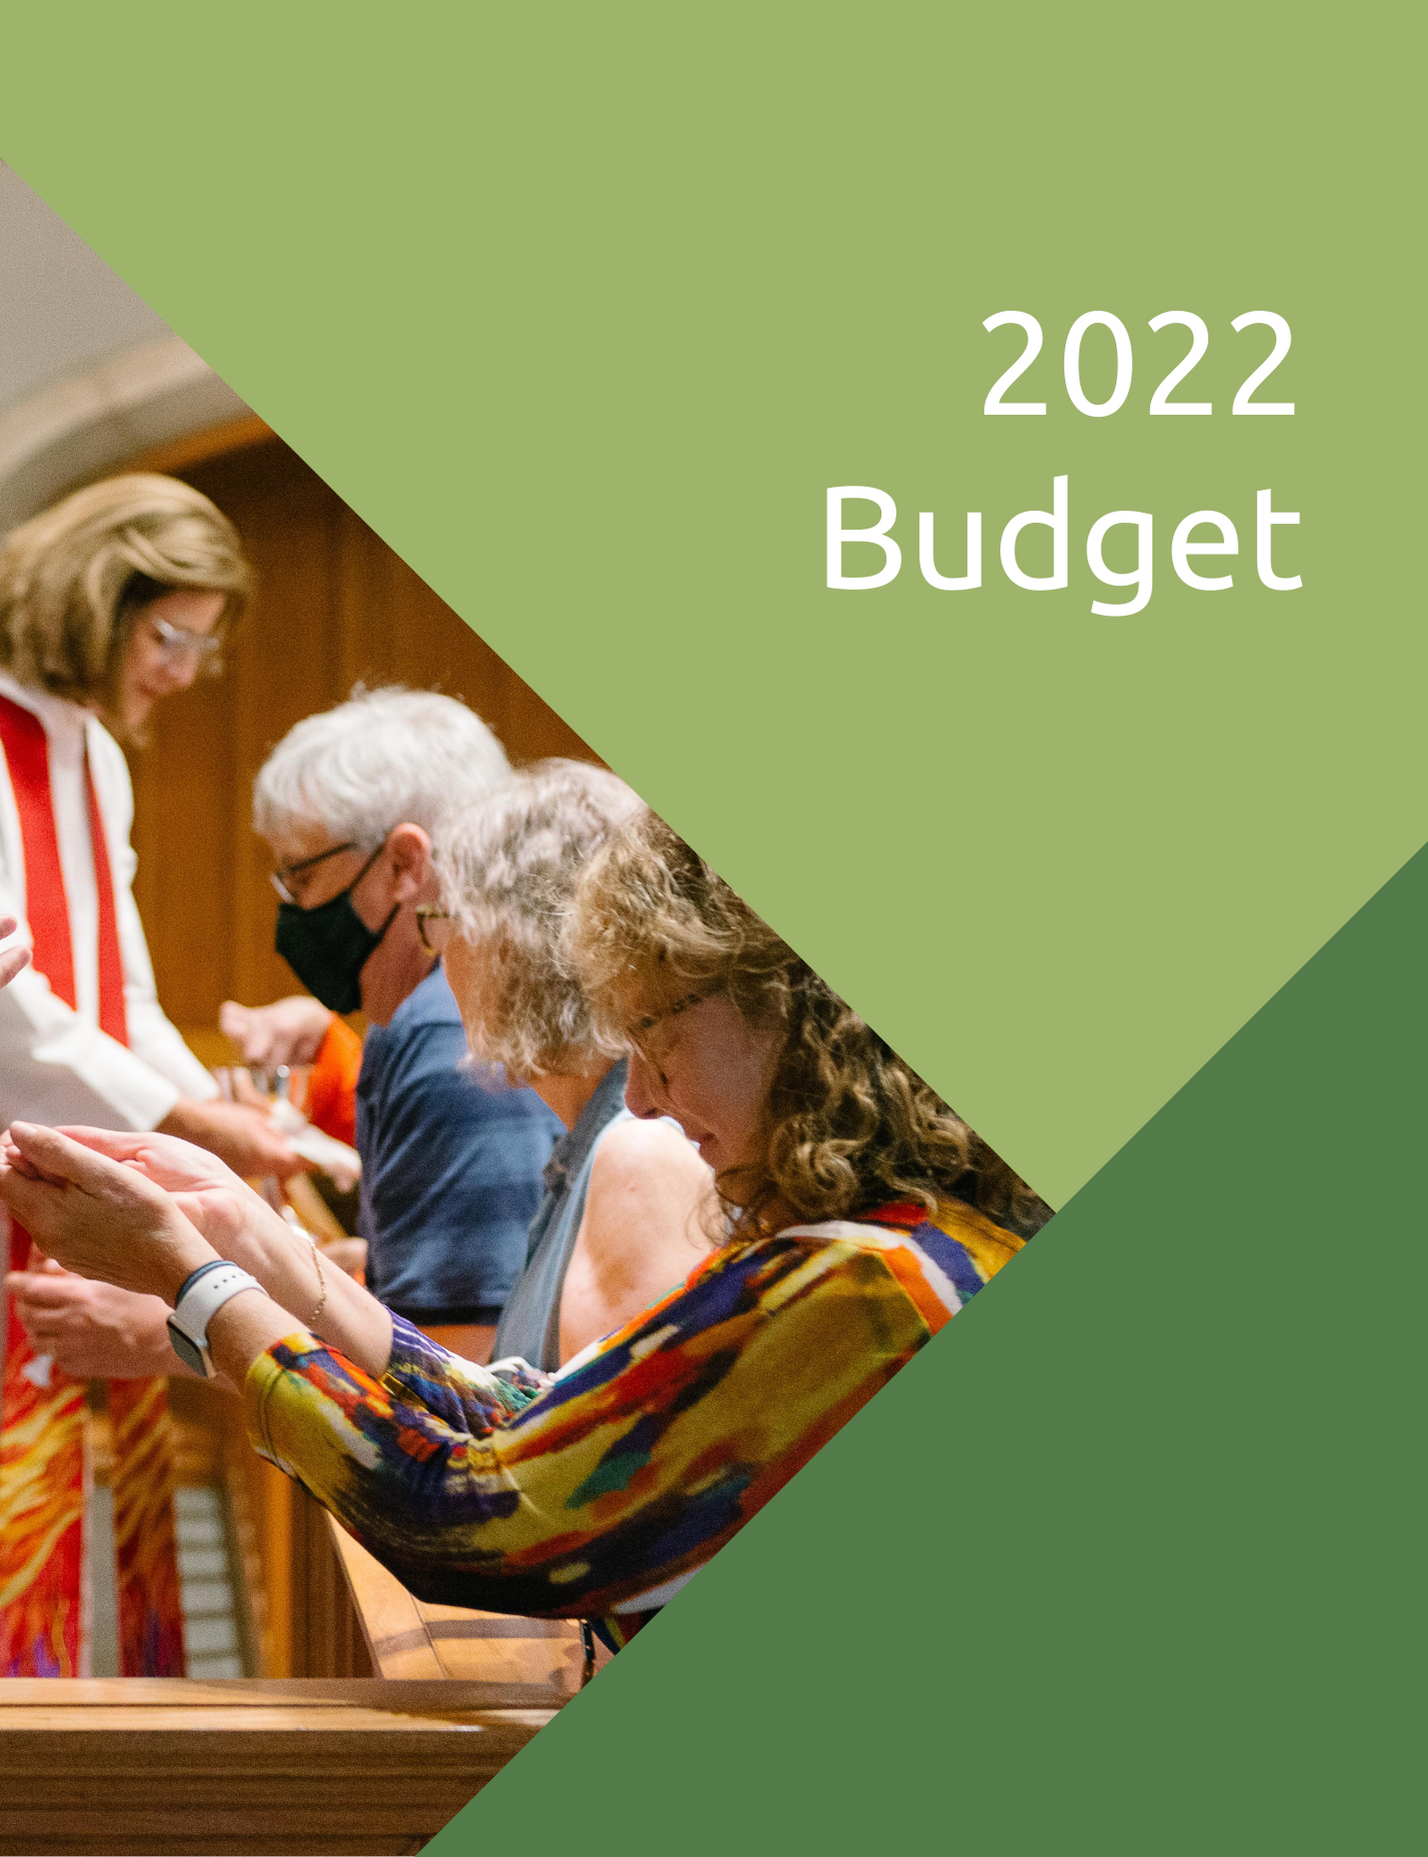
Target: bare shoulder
pixel 647 1178
pixel 636 1156
pixel 649 1218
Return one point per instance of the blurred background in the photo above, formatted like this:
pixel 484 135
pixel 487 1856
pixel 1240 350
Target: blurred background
pixel 92 383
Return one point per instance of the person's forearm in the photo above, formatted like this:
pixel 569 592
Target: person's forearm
pixel 353 1321
pixel 244 1137
pixel 527 1518
pixel 245 1327
pixel 325 1300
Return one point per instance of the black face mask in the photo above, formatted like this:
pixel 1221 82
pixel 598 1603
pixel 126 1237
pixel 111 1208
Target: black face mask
pixel 327 947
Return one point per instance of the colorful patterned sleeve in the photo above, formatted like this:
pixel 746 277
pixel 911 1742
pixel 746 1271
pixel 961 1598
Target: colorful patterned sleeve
pixel 467 1397
pixel 622 1475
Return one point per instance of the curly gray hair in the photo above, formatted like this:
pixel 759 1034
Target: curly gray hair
pixel 508 872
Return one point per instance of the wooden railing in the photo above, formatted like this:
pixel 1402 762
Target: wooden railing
pixel 373 1719
pixel 317 1605
pixel 542 1659
pixel 191 1769
pixel 298 1618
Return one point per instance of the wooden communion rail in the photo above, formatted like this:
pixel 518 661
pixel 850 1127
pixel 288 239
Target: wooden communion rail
pixel 233 1769
pixel 371 1720
pixel 300 1766
pixel 542 1657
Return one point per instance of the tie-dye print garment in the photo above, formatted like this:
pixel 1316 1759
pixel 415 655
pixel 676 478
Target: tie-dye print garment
pixel 599 1492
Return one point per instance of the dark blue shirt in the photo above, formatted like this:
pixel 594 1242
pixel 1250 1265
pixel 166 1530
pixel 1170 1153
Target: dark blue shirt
pixel 452 1159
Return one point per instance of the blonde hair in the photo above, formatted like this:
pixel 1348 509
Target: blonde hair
pixel 849 1125
pixel 508 871
pixel 74 578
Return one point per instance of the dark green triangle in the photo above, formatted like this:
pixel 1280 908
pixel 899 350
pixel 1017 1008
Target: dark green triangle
pixel 1126 1560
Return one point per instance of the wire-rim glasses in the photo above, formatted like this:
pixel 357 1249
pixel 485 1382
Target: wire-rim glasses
pixel 279 878
pixel 178 642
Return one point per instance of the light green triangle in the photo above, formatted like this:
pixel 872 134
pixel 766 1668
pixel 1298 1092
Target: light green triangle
pixel 585 313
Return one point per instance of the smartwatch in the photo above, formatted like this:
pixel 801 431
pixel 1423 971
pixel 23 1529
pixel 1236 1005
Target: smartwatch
pixel 200 1299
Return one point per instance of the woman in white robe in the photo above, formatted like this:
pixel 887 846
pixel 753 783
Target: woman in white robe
pixel 110 601
pixel 113 599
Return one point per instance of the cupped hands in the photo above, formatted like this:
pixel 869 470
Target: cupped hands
pixel 96 1215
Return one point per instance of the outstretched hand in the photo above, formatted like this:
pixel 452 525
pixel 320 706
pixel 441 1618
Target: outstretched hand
pixel 176 1165
pixel 91 1330
pixel 143 1211
pixel 223 1208
pixel 97 1216
pixel 245 1136
pixel 13 960
pixel 290 1031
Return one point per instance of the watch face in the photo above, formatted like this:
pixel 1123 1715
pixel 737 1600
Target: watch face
pixel 188 1351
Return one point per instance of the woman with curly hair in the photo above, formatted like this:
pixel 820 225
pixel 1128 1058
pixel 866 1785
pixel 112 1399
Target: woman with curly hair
pixel 859 1215
pixel 809 1115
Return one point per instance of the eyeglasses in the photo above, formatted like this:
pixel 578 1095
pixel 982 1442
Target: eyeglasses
pixel 175 642
pixel 280 876
pixel 434 940
pixel 638 1033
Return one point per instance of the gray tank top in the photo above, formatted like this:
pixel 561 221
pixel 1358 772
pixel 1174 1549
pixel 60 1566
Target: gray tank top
pixel 529 1328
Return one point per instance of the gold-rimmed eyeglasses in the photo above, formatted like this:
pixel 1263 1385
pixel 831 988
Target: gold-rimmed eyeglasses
pixel 434 927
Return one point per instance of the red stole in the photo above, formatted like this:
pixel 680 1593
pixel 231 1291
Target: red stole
pixel 43 1611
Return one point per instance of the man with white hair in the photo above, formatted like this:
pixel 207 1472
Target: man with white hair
pixel 452 1158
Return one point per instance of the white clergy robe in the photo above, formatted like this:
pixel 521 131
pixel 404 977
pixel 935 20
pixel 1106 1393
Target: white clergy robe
pixel 56 1066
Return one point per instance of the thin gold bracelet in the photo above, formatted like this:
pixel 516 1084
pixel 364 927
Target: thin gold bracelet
pixel 321 1280
pixel 295 1225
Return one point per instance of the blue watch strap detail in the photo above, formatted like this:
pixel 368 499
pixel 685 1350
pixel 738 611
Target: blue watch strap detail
pixel 219 1263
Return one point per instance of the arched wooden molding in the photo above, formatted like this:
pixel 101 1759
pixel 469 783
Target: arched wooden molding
pixel 80 428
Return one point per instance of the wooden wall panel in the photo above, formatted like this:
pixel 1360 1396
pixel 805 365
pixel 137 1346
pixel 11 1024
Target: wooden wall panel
pixel 335 606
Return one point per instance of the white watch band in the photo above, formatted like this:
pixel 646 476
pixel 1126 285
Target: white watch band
pixel 198 1306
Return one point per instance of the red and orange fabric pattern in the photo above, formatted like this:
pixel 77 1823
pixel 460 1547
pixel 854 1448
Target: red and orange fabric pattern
pixel 43 1462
